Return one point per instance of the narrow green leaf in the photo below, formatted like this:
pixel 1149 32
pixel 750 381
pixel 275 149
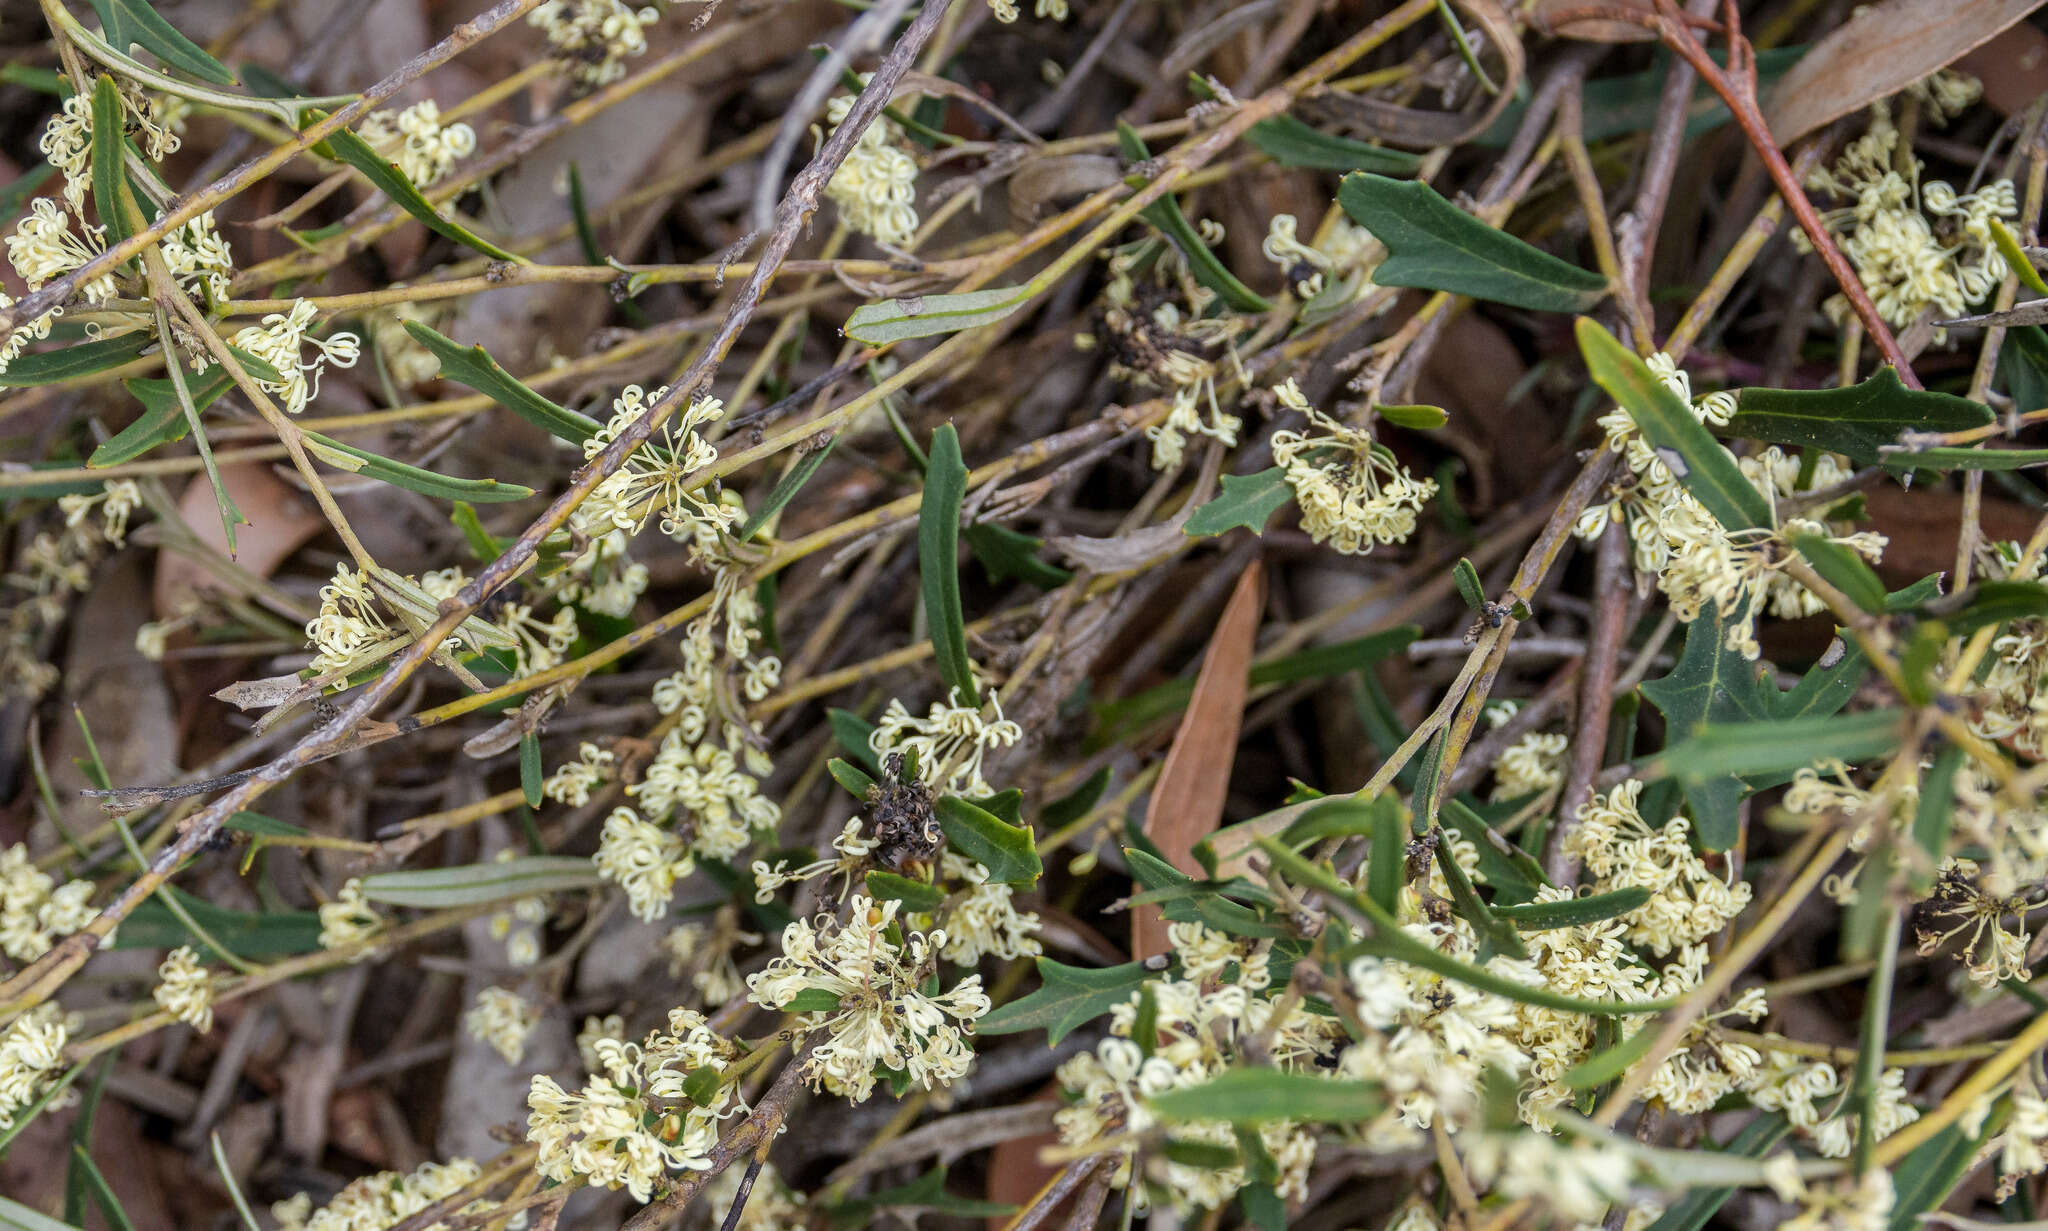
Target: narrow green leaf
pixel 1511 872
pixel 786 489
pixel 473 366
pixel 530 773
pixel 1145 1022
pixel 1966 459
pixel 1602 1067
pixel 1573 912
pixel 84 359
pixel 1996 602
pixel 412 478
pixel 811 1000
pixel 475 883
pixel 1469 588
pixel 1187 900
pixel 1434 245
pixel 1386 869
pixel 1258 1096
pixel 1347 817
pixel 1933 815
pixel 938 564
pixel 1202 1155
pixel 392 182
pixel 914 894
pixel 1706 469
pixel 852 733
pixel 482 543
pixel 1004 552
pixel 850 777
pixel 109 175
pixel 927 1192
pixel 153 925
pixel 1165 214
pixel 1923 1180
pixel 1006 850
pixel 924 316
pixel 1772 747
pixel 136 23
pixel 2016 258
pixel 102 1192
pixel 262 826
pixel 1843 569
pixel 1077 803
pixel 1068 997
pixel 16 195
pixel 2023 368
pixel 1292 143
pixel 181 392
pixel 1857 421
pixel 1496 935
pixel 1415 418
pixel 1247 500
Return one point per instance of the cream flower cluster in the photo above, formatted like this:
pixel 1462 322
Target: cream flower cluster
pixel 884 1019
pixel 1850 1203
pixel 116 500
pixel 605 579
pixel 950 741
pixel 643 859
pixel 876 187
pixel 280 341
pixel 1006 11
pixel 349 919
pixel 656 478
pixel 572 783
pixel 31 1055
pixel 594 38
pixel 1577 1180
pixel 1341 263
pixel 380 1201
pixel 185 990
pixel 1688 902
pixel 34 909
pixel 519 928
pixel 1917 248
pixel 1804 1092
pixel 502 1018
pixel 1202 1022
pixel 634 1121
pixel 707 953
pixel 424 148
pixel 1531 764
pixel 350 631
pixel 982 919
pixel 44 247
pixel 1352 493
pixel 2023 1147
pixel 1995 950
pixel 706 787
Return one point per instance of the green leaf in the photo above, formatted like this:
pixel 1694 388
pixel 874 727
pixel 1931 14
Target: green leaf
pixel 17 194
pixel 1187 900
pixel 1997 602
pixel 1006 850
pixel 385 175
pixel 2016 259
pixel 1771 747
pixel 1511 872
pixel 1923 1180
pixel 850 777
pixel 786 489
pixel 1757 1138
pixel 1966 459
pixel 1415 418
pixel 1496 935
pixel 852 732
pixel 811 1000
pixel 152 925
pixel 1933 815
pixel 1573 912
pixel 1068 997
pixel 1202 1155
pixel 102 1192
pixel 1203 263
pixel 262 826
pixel 1347 817
pixel 1248 500
pixel 1077 803
pixel 1004 552
pixel 1437 246
pixel 1259 1095
pixel 938 564
pixel 1844 569
pixel 914 894
pixel 1602 1067
pixel 1386 869
pixel 163 416
pixel 15 1216
pixel 2023 368
pixel 109 175
pixel 1857 421
pixel 473 366
pixel 475 883
pixel 136 23
pixel 530 773
pixel 1706 469
pixel 1145 1022
pixel 84 359
pixel 411 478
pixel 1469 588
pixel 927 1192
pixel 1292 143
pixel 482 543
pixel 924 316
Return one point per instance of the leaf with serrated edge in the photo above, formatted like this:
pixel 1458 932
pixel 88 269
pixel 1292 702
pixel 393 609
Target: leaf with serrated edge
pixel 1856 422
pixel 1247 500
pixel 136 23
pixel 1434 245
pixel 1004 849
pixel 1068 997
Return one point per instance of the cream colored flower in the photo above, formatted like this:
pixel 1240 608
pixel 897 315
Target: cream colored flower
pixel 186 990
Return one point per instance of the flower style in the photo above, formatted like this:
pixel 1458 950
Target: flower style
pixel 116 500
pixel 502 1018
pixel 644 859
pixel 656 479
pixel 44 247
pixel 424 148
pixel 705 784
pixel 571 784
pixel 186 990
pixel 31 1054
pixel 876 187
pixel 280 342
pixel 633 1122
pixel 349 919
pixel 34 909
pixel 1531 764
pixel 1352 494
pixel 982 920
pixel 949 741
pixel 884 1018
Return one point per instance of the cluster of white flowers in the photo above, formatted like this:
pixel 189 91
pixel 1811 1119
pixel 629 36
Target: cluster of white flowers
pixel 1688 902
pixel 707 953
pixel 424 148
pixel 1804 1092
pixel 44 247
pixel 572 783
pixel 1577 1181
pixel 349 919
pixel 1531 764
pixel 2023 1147
pixel 502 1018
pixel 350 631
pixel 519 928
pixel 1006 11
pixel 707 786
pixel 1202 1021
pixel 199 260
pixel 594 38
pixel 643 859
pixel 1353 494
pixel 380 1201
pixel 655 479
pixel 1341 263
pixel 280 341
pixel 1917 248
pixel 34 908
pixel 634 1121
pixel 605 579
pixel 185 990
pixel 884 1017
pixel 31 1053
pixel 950 741
pixel 116 500
pixel 876 187
pixel 1849 1204
pixel 982 919
pixel 1996 947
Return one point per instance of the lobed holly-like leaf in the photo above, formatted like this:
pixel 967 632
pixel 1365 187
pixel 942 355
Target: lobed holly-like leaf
pixel 1434 245
pixel 1067 998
